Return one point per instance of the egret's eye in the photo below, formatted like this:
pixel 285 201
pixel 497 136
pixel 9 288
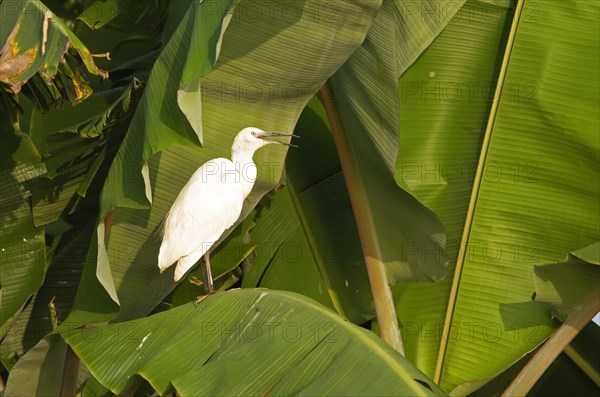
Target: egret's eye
pixel 253 133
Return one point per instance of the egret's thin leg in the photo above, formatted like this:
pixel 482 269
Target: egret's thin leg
pixel 207 275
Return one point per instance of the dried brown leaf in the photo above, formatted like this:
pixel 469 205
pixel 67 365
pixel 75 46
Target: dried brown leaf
pixel 12 64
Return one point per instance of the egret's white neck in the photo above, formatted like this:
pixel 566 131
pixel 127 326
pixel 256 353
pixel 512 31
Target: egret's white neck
pixel 242 158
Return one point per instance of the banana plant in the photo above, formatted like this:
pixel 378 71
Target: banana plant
pixel 441 144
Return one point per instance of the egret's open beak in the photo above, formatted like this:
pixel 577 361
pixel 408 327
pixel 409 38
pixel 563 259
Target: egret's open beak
pixel 272 134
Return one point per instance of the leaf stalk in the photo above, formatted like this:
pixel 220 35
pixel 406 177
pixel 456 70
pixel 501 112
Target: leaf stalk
pixel 382 295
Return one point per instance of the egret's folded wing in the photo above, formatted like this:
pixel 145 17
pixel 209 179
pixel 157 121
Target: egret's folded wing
pixel 207 205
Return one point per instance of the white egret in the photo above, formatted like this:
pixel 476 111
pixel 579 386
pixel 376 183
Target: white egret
pixel 210 203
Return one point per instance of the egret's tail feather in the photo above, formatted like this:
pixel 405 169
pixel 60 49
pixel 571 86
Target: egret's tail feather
pixel 165 257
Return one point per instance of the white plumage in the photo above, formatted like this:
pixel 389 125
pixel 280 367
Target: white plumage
pixel 210 203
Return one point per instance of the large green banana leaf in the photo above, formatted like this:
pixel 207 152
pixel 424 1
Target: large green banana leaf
pixel 440 174
pixel 257 81
pixel 40 371
pixel 22 248
pixel 365 90
pixel 538 194
pixel 247 342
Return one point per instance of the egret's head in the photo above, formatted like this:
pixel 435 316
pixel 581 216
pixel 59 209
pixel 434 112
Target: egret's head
pixel 251 138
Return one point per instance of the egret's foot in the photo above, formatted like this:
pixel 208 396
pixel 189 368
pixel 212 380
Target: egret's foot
pixel 199 299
